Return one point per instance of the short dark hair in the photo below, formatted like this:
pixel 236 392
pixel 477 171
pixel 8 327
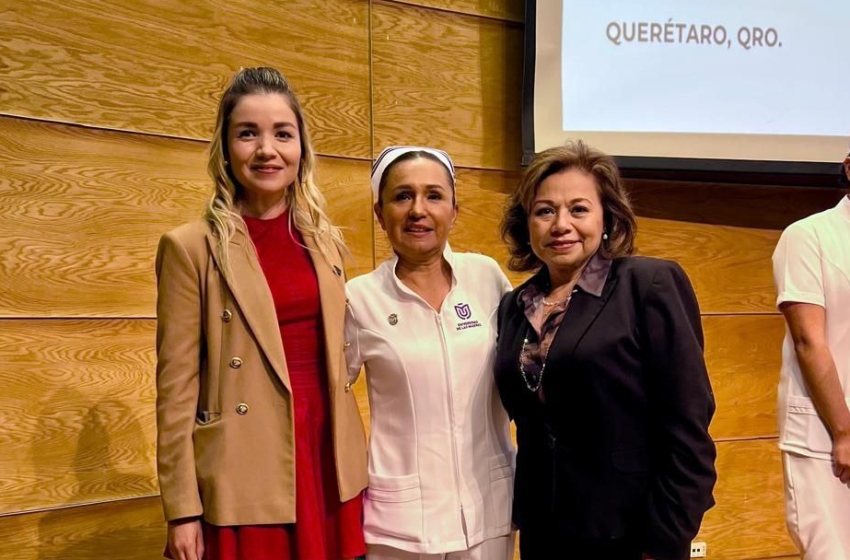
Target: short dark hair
pixel 618 217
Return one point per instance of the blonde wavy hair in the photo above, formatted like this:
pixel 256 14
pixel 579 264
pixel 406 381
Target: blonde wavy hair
pixel 306 202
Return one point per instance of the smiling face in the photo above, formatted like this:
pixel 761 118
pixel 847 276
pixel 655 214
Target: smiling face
pixel 417 209
pixel 264 148
pixel 566 222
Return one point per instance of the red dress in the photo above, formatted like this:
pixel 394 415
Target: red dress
pixel 325 528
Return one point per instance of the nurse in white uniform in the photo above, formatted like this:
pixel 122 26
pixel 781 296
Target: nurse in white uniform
pixel 423 324
pixel 811 267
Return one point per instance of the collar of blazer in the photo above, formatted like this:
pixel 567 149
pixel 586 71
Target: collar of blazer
pixel 251 291
pixel 582 311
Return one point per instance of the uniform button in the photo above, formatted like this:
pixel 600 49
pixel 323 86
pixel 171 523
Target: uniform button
pixel 226 315
pixel 236 363
pixel 347 345
pixel 242 409
pixel 347 387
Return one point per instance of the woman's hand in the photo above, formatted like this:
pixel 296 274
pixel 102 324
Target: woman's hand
pixel 185 539
pixel 841 457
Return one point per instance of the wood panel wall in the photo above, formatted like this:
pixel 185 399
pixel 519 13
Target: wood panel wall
pixel 105 112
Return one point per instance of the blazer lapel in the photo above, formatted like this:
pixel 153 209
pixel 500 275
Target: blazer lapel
pixel 251 291
pixel 332 296
pixel 581 313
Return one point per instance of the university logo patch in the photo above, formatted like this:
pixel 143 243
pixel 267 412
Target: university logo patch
pixel 463 311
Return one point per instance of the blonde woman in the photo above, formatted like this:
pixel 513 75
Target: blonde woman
pixel 261 451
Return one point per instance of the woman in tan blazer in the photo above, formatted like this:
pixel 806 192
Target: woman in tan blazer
pixel 252 402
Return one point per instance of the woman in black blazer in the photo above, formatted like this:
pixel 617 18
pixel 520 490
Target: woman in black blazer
pixel 600 365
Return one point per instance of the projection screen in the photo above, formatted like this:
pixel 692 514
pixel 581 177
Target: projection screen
pixel 761 85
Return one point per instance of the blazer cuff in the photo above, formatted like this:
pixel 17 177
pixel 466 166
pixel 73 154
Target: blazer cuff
pixel 174 510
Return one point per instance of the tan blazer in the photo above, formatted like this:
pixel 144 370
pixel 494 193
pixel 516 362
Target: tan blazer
pixel 225 446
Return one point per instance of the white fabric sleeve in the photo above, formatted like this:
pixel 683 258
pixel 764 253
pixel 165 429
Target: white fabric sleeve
pixel 353 359
pixel 502 282
pixel 797 270
pixel 505 283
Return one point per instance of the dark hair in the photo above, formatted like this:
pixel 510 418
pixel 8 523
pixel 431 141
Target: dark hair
pixel 619 219
pixel 843 180
pixel 407 156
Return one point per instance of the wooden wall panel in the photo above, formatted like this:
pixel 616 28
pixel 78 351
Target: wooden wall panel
pixel 83 221
pixel 729 267
pixel 748 206
pixel 77 399
pixel 749 518
pixel 743 353
pixel 512 10
pixel 83 210
pixel 160 67
pixel 346 186
pixel 723 235
pixel 448 81
pixel 125 530
pixel 77 409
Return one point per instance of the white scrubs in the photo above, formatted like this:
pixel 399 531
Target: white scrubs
pixel 811 264
pixel 441 460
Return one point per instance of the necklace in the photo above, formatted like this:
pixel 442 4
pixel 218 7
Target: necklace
pixel 533 388
pixel 561 302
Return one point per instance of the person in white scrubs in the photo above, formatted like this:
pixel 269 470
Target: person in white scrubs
pixel 423 326
pixel 811 267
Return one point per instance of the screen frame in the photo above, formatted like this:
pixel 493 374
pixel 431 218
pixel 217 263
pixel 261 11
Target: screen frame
pixel 692 169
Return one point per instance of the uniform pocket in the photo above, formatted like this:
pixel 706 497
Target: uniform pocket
pixel 394 488
pixel 804 428
pixel 500 467
pixel 393 508
pixel 502 494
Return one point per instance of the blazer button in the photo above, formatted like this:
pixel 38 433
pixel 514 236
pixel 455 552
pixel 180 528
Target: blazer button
pixel 347 301
pixel 226 315
pixel 241 409
pixel 236 363
pixel 347 387
pixel 347 345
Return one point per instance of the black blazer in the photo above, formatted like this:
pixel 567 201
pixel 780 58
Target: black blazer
pixel 620 449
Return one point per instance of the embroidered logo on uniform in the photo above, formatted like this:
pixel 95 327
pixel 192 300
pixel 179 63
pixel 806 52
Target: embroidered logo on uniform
pixel 463 311
pixel 393 319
